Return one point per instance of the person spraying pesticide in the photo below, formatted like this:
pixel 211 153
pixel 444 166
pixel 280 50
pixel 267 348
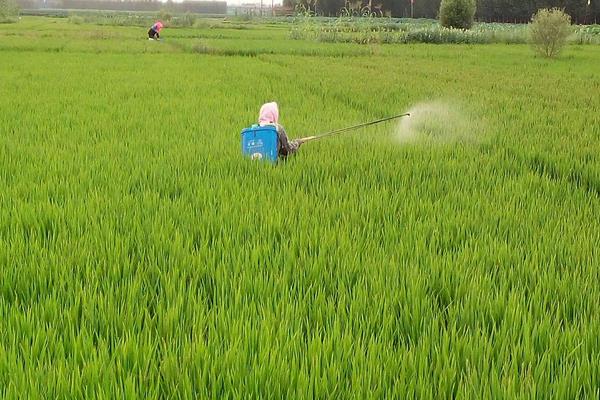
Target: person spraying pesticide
pixel 154 31
pixel 269 115
pixel 268 139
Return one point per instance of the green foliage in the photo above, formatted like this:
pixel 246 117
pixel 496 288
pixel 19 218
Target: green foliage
pixel 165 15
pixel 487 10
pixel 349 28
pixel 114 19
pixel 77 19
pixel 457 14
pixel 549 30
pixel 305 26
pixel 9 11
pixel 378 30
pixel 589 34
pixel 186 20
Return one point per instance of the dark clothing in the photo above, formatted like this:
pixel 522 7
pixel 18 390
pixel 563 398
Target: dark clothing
pixel 286 147
pixel 152 34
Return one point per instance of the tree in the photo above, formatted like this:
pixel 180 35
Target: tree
pixel 549 30
pixel 457 13
pixel 9 11
pixel 330 7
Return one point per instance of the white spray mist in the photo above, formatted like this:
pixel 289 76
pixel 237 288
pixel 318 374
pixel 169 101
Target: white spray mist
pixel 436 122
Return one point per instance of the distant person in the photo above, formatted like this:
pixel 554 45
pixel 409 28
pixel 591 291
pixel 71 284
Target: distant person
pixel 269 115
pixel 154 31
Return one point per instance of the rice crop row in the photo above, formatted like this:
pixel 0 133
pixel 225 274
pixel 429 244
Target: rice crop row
pixel 381 30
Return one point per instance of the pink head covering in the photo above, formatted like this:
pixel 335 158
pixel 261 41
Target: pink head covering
pixel 269 114
pixel 159 26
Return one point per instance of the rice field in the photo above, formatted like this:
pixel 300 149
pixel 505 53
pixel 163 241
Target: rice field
pixel 452 256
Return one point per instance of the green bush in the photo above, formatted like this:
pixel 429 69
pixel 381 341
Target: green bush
pixel 76 19
pixel 165 15
pixel 112 19
pixel 9 11
pixel 378 30
pixel 587 34
pixel 457 14
pixel 549 30
pixel 186 20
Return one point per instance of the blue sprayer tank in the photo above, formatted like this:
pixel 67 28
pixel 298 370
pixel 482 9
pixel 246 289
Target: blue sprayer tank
pixel 260 142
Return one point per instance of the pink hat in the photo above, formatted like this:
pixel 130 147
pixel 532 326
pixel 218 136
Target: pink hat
pixel 269 114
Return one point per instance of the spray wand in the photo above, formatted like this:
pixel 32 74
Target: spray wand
pixel 350 128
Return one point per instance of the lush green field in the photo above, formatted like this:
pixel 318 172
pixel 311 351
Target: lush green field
pixel 142 256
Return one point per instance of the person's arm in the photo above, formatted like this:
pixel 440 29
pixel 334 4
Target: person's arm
pixel 286 147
